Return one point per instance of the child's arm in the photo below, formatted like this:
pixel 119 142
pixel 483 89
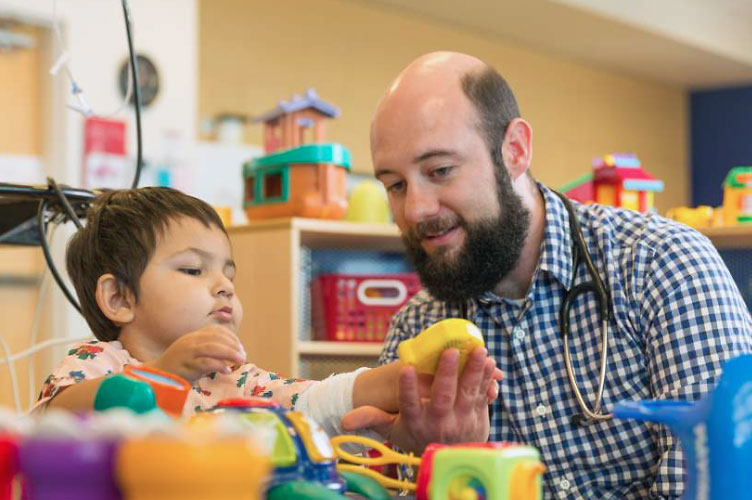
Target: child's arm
pixel 78 397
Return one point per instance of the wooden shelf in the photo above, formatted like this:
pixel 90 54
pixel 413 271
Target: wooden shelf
pixel 269 254
pixel 725 238
pixel 322 348
pixel 321 233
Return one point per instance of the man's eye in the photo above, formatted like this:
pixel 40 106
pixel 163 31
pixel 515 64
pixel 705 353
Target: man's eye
pixel 193 271
pixel 395 187
pixel 442 171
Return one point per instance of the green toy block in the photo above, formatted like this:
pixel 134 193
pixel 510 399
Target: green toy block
pixel 490 474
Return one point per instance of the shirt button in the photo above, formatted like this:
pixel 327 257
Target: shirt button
pixel 519 334
pixel 564 485
pixel 541 410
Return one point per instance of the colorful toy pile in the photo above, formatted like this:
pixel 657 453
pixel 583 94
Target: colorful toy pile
pixel 736 209
pixel 119 454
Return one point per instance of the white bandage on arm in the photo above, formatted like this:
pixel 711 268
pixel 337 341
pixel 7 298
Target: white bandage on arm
pixel 326 402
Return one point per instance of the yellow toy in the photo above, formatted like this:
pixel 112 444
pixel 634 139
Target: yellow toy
pixel 423 351
pixel 699 218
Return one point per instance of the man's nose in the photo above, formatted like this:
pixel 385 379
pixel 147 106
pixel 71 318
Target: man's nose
pixel 420 203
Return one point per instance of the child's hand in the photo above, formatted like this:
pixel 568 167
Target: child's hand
pixel 456 410
pixel 213 348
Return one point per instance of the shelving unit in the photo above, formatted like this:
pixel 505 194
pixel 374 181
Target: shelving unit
pixel 726 238
pixel 268 280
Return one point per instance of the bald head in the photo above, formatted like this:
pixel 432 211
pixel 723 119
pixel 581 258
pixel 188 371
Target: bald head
pixel 446 85
pixel 437 70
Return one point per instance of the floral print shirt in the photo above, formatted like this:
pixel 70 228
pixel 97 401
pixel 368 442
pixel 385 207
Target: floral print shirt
pixel 96 359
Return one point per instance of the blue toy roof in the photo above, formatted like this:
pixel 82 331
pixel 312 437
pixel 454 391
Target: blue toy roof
pixel 309 100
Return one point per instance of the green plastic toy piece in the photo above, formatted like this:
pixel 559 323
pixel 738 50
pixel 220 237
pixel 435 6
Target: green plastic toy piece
pixel 365 486
pixel 283 454
pixel 302 490
pixel 735 174
pixel 330 152
pixel 121 391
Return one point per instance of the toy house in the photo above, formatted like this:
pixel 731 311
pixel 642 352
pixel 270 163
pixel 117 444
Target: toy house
pixel 619 180
pixel 300 175
pixel 737 196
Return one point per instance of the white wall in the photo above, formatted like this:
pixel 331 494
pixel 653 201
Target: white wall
pixel 94 34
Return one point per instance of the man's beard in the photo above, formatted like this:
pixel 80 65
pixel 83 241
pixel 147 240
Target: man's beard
pixel 490 251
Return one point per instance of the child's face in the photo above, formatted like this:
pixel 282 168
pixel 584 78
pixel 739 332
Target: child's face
pixel 187 283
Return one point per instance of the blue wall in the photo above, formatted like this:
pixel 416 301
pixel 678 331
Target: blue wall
pixel 721 138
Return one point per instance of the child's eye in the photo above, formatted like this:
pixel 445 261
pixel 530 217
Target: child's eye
pixel 193 271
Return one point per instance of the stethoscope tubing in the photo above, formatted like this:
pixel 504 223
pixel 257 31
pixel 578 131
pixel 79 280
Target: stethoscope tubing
pixel 597 286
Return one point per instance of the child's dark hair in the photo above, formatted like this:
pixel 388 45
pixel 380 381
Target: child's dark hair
pixel 119 238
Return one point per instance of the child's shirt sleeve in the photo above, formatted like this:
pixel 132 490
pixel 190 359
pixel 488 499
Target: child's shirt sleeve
pixel 84 361
pixel 253 381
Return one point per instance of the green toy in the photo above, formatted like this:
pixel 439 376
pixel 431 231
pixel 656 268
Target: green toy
pixel 122 391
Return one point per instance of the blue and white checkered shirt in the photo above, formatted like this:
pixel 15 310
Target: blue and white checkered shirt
pixel 676 316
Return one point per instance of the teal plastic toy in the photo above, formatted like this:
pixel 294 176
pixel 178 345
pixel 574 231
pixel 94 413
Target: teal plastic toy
pixel 715 433
pixel 122 391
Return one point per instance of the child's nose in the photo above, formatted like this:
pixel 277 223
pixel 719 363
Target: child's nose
pixel 224 286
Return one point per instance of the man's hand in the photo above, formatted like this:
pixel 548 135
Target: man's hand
pixel 213 348
pixel 455 411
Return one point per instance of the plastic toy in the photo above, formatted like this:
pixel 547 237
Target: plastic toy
pixel 159 468
pixel 715 433
pixel 368 203
pixel 56 467
pixel 737 196
pixel 302 456
pixel 619 180
pixel 466 471
pixel 143 389
pixel 295 178
pixel 699 218
pixel 8 464
pixel 423 351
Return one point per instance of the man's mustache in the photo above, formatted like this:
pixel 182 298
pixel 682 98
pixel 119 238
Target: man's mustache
pixel 434 226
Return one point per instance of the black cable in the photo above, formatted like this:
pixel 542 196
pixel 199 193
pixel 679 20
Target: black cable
pixel 136 93
pixel 64 200
pixel 48 256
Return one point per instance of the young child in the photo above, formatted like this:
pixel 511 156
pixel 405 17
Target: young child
pixel 153 272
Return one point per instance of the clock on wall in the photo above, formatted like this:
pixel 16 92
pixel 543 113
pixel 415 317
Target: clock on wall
pixel 148 80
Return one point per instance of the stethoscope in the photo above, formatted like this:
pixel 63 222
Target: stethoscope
pixel 580 253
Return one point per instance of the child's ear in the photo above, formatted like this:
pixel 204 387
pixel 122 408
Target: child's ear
pixel 115 300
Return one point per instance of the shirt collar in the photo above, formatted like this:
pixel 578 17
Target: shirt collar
pixel 556 249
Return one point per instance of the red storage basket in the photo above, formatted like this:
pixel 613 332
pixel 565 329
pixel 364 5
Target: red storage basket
pixel 358 308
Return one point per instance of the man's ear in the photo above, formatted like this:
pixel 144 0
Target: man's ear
pixel 115 300
pixel 517 149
